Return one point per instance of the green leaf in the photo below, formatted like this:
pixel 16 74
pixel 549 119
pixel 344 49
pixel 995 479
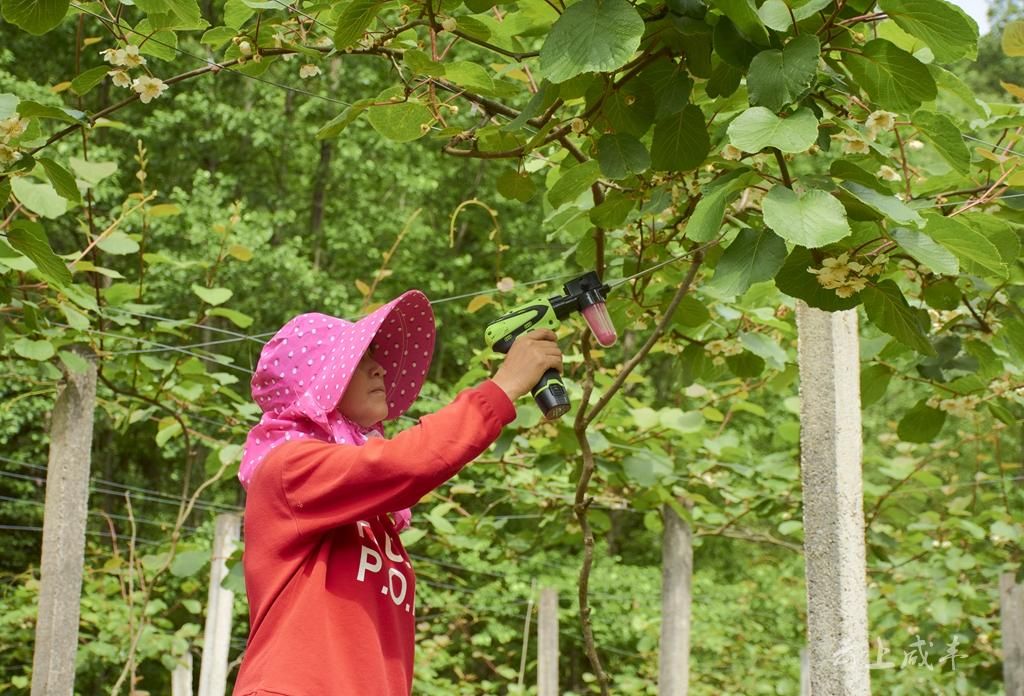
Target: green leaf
pixel 812 220
pixel 765 348
pixel 188 563
pixel 515 186
pixel 166 429
pixel 92 172
pixel 975 251
pixel 646 468
pixel 681 421
pixel 35 16
pixel 751 258
pixel 214 296
pixel 242 321
pixel 997 231
pixel 670 84
pixel 628 109
pixel 613 211
pixel 942 133
pixel 42 198
pixel 874 380
pixel 574 182
pixel 472 76
pixel 926 250
pixel 89 79
pixel 1013 38
pixel 73 361
pixel 591 36
pixel 707 217
pixel 237 13
pixel 62 180
pixel 947 610
pixel 29 238
pixel 118 243
pixel 778 78
pixel 758 128
pixel 944 27
pixel 622 155
pixel 353 21
pixel 681 141
pixel 888 310
pixel 402 122
pixel 31 109
pixel 8 105
pixel 334 127
pixel 743 14
pixel 887 206
pixel 777 15
pixel 34 350
pixel 796 281
pixel 75 319
pixel 218 36
pixel 421 64
pixel 893 78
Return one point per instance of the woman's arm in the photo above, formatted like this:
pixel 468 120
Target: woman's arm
pixel 325 485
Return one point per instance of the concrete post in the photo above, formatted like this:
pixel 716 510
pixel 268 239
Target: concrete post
pixel 213 672
pixel 181 677
pixel 547 643
pixel 676 583
pixel 830 457
pixel 64 517
pixel 1011 618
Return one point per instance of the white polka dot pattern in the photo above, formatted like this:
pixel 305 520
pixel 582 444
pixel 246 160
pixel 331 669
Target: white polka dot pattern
pixel 300 378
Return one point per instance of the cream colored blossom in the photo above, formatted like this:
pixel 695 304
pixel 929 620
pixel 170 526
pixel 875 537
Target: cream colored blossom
pixel 851 286
pixel 915 145
pixel 309 70
pixel 120 78
pixel 245 48
pixel 11 128
pixel 887 173
pixel 731 152
pixel 149 88
pixel 853 145
pixel 131 57
pixel 877 265
pixel 879 121
pixel 114 56
pixel 8 155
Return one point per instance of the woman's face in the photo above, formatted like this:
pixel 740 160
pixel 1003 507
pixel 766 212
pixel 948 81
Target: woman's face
pixel 365 400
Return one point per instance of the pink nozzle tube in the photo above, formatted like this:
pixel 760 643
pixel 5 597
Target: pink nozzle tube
pixel 600 323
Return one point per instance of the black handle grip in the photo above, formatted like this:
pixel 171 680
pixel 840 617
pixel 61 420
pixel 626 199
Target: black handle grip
pixel 551 395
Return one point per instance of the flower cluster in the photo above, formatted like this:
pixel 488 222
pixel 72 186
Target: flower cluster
pixel 959 406
pixel 124 59
pixel 847 277
pixel 11 129
pixel 722 349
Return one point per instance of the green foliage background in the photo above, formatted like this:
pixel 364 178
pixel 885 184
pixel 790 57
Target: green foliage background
pixel 473 148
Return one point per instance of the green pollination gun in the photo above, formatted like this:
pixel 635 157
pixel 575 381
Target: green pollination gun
pixel 586 295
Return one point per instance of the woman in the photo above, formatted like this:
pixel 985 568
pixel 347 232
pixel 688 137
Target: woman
pixel 331 589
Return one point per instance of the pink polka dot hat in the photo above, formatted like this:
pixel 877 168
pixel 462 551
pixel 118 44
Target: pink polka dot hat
pixel 304 369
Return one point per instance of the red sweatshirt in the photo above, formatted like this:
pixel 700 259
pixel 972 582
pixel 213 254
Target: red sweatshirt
pixel 331 590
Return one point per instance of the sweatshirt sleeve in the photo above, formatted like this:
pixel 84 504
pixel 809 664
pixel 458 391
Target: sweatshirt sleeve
pixel 326 485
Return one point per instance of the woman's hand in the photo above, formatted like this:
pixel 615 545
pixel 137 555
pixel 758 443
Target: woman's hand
pixel 530 357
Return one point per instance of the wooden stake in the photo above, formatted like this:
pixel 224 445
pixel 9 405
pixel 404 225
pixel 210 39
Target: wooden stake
pixel 676 583
pixel 64 517
pixel 1011 617
pixel 213 672
pixel 181 677
pixel 830 457
pixel 547 643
